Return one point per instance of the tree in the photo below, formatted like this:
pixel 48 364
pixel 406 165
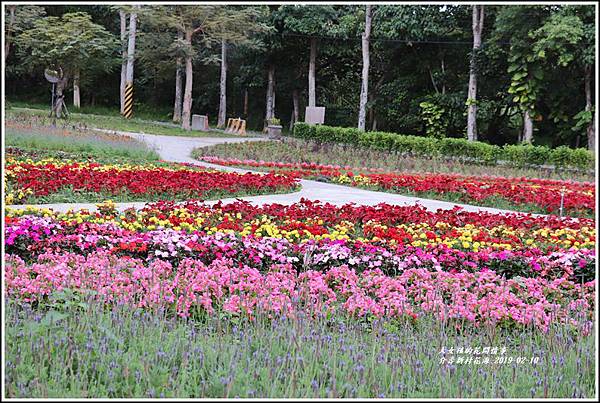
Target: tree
pixel 223 85
pixel 472 97
pixel 178 82
pixel 533 71
pixel 203 21
pixel 422 61
pixel 19 19
pixel 364 89
pixel 72 43
pixel 234 32
pixel 270 109
pixel 514 23
pixel 312 22
pixel 584 59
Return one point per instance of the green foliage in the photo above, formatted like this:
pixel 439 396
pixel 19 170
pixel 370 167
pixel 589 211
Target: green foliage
pixel 304 130
pixel 533 57
pixel 433 117
pixel 453 148
pixel 526 154
pixel 71 42
pixel 563 157
pixel 475 150
pixel 557 38
pixel 583 119
pixel 308 20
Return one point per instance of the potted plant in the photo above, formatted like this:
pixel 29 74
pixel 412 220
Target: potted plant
pixel 274 127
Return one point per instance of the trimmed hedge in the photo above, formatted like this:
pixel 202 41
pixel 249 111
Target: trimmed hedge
pixel 429 147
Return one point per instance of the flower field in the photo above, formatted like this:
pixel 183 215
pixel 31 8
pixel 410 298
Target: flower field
pixel 538 195
pixel 30 181
pixel 383 261
pixel 182 298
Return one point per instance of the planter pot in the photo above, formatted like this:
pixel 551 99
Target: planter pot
pixel 274 130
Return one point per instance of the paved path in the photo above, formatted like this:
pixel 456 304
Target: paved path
pixel 178 149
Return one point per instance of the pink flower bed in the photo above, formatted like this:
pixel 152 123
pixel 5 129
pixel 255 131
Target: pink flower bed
pixel 192 286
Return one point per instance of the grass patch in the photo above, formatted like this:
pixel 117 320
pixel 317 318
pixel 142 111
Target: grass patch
pixel 110 122
pixel 99 145
pixel 72 347
pixel 298 151
pixel 38 154
pixel 141 111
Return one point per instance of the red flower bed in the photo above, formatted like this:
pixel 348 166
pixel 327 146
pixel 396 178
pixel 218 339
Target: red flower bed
pixel 546 193
pixel 386 214
pixel 47 178
pixel 579 197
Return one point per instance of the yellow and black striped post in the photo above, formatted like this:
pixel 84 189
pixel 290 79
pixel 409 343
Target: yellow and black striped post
pixel 128 108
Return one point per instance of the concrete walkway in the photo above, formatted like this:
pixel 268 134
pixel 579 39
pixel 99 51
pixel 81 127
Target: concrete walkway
pixel 178 149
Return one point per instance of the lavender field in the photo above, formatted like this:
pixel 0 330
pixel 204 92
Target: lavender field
pixel 85 350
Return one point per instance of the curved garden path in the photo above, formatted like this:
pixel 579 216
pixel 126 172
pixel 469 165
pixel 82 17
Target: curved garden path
pixel 178 149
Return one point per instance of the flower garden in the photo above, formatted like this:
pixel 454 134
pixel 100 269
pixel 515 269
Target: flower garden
pixel 30 181
pixel 358 261
pixel 385 277
pixel 539 195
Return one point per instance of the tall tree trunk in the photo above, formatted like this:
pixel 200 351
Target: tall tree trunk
pixel 296 104
pixel 270 113
pixel 187 96
pixel 364 89
pixel 76 94
pixel 591 129
pixel 178 93
pixel 312 95
pixel 9 29
pixel 131 48
pixel 123 17
pixel 245 102
pixel 527 128
pixel 295 109
pixel 178 83
pixel 223 85
pixel 472 96
pixel 444 75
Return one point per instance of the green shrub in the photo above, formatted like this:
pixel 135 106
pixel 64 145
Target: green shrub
pixel 581 158
pixel 426 146
pixel 327 133
pixel 404 144
pixel 514 154
pixel 474 150
pixel 517 155
pixel 563 156
pixel 535 155
pixel 304 130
